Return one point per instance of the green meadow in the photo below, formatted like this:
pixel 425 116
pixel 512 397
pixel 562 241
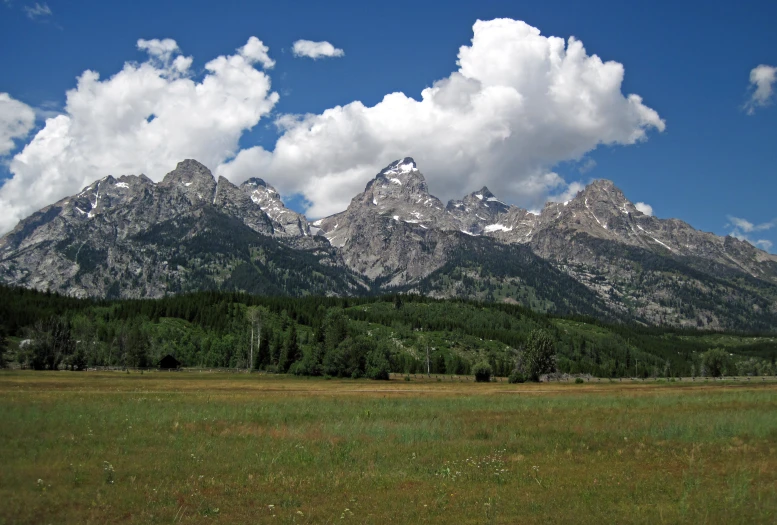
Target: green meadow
pixel 111 447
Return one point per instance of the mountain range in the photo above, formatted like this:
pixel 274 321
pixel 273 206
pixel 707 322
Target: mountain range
pixel 594 255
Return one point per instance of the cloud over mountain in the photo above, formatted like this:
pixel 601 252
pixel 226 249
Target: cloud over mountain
pixel 518 104
pixel 16 121
pixel 145 118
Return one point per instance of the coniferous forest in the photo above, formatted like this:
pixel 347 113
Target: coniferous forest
pixel 352 337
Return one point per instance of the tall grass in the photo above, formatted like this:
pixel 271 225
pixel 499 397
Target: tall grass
pixel 244 449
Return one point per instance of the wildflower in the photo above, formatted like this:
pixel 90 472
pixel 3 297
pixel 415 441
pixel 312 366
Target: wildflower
pixel 108 469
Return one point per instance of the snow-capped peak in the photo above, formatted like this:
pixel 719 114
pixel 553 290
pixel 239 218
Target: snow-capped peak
pixel 405 165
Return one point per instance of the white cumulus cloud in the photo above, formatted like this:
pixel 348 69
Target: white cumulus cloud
pixel 144 119
pixel 16 121
pixel 160 49
pixel 647 209
pixel 316 50
pixel 518 104
pixel 762 79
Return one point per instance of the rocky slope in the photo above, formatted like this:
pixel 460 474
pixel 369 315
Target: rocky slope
pixel 595 254
pixel 286 222
pixel 129 237
pixel 644 268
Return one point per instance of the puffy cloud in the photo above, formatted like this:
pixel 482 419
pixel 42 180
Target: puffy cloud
pixel 762 79
pixel 38 11
pixel 742 228
pixel 16 121
pixel 647 209
pixel 315 50
pixel 160 49
pixel 143 119
pixel 256 51
pixel 518 104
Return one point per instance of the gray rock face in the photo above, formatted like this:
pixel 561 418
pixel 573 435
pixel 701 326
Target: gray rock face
pixel 129 237
pixel 477 211
pixel 390 230
pixel 288 223
pixel 642 266
pixel 398 193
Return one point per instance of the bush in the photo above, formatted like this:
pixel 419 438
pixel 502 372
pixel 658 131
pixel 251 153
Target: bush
pixel 307 366
pixel 482 372
pixel 579 381
pixel 516 377
pixel 377 366
pixel 715 361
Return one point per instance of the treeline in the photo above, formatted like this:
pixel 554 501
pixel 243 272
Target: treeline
pixel 346 337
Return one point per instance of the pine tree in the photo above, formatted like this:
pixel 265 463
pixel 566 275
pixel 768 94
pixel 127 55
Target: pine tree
pixel 290 352
pixel 3 346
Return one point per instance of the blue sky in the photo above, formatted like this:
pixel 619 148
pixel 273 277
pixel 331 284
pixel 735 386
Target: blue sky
pixel 689 61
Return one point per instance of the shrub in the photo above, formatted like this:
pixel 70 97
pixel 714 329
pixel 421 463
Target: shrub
pixel 579 381
pixel 516 377
pixel 715 361
pixel 377 366
pixel 482 372
pixel 307 366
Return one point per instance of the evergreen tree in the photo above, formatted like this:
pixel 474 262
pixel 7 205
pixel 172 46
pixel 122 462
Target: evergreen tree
pixel 335 329
pixel 540 355
pixel 263 358
pixel 290 351
pixel 3 346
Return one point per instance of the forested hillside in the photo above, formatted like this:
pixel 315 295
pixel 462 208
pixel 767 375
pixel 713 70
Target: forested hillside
pixel 351 337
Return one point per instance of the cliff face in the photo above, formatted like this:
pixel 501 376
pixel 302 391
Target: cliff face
pixel 595 254
pixel 129 237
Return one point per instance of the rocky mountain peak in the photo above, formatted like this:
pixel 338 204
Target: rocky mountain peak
pixel 604 190
pixel 400 177
pixel 254 182
pixel 188 171
pixel 260 191
pixel 397 193
pixel 405 165
pixel 191 181
pixel 286 221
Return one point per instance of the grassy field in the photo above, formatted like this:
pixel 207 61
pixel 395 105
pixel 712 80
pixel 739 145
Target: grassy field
pixel 192 448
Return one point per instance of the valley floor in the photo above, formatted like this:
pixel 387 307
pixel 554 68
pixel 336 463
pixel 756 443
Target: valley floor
pixel 110 447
